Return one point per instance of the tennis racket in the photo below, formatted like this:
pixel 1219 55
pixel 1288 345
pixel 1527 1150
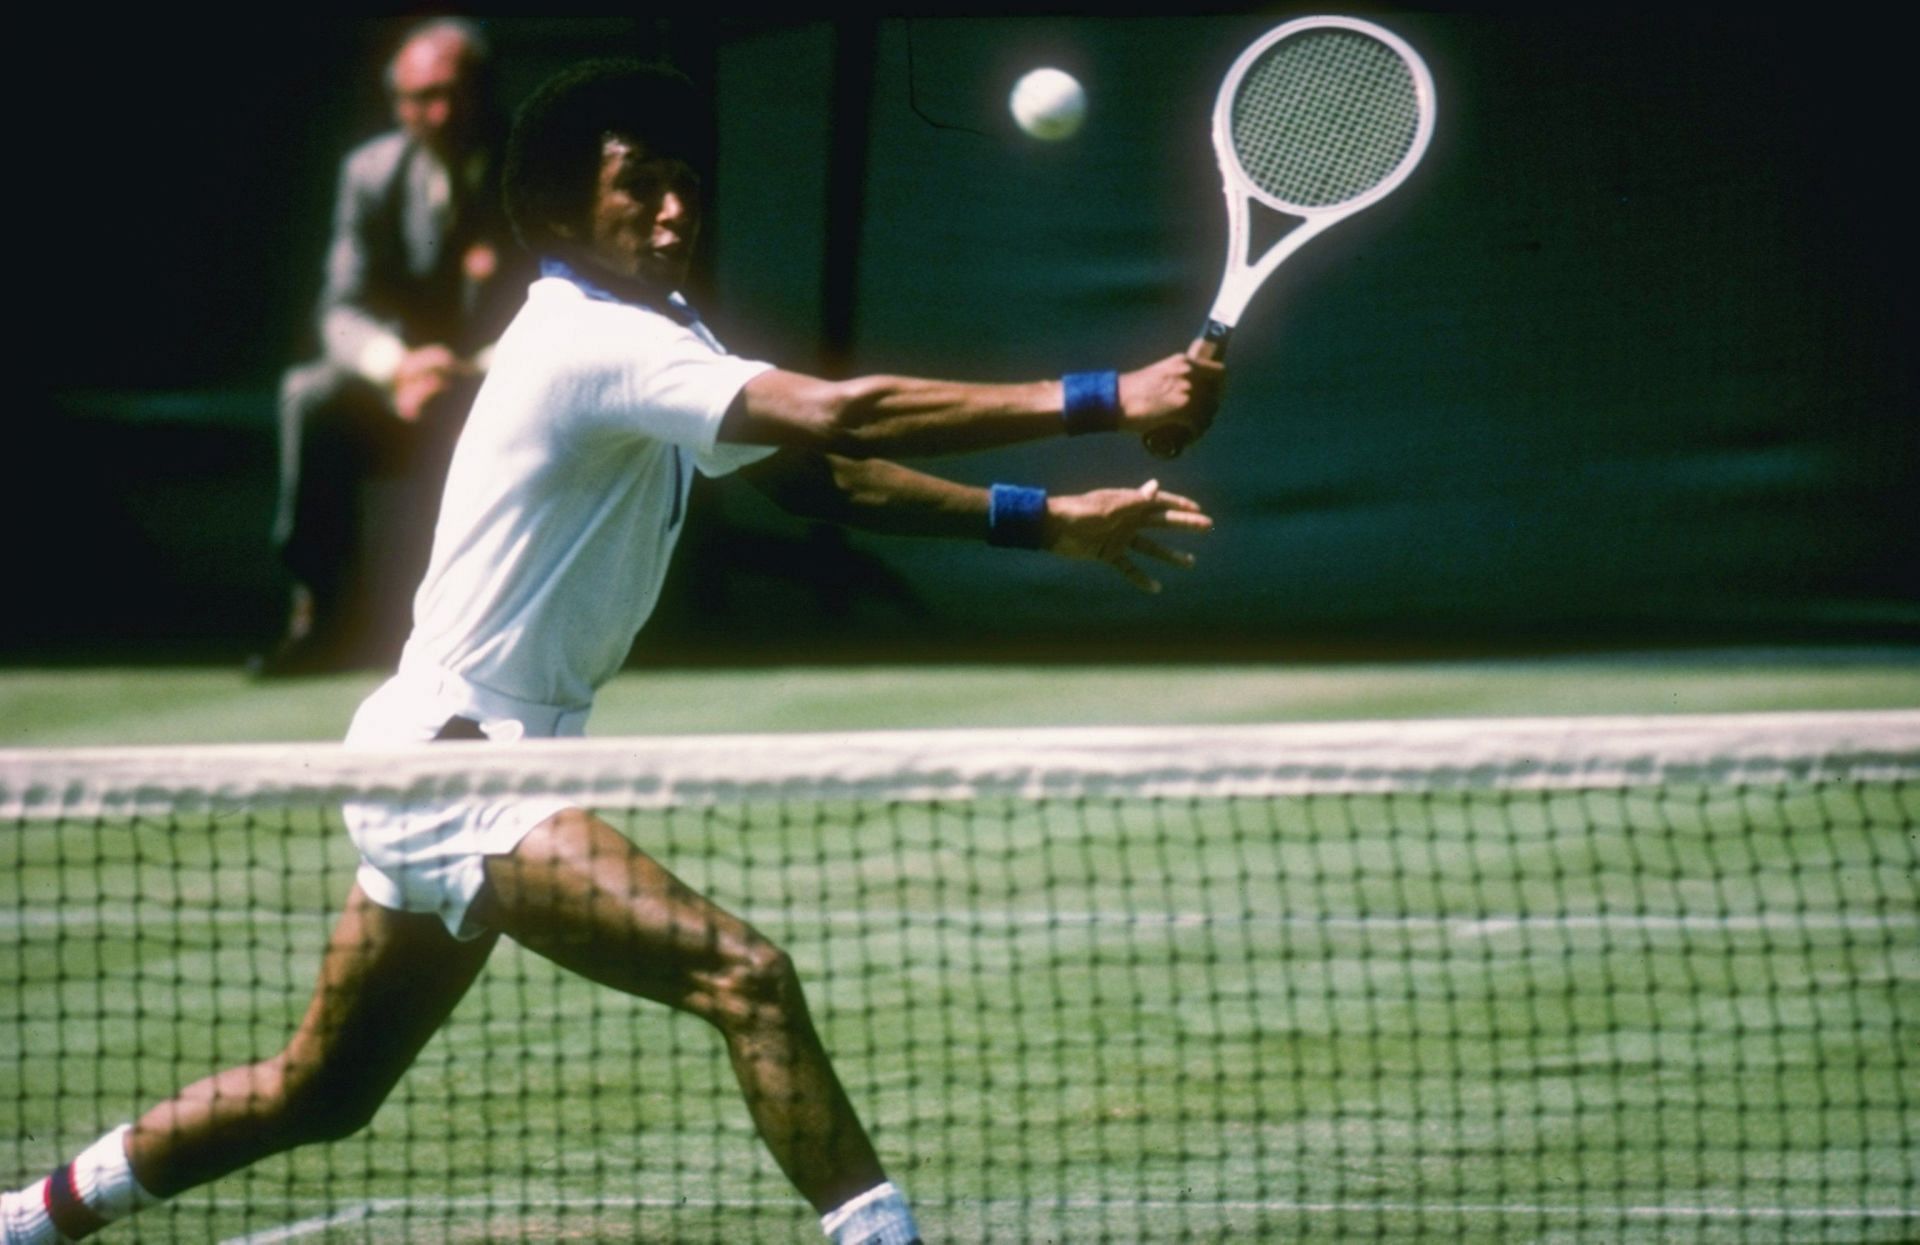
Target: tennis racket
pixel 1318 119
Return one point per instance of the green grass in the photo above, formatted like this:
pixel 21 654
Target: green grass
pixel 1569 1017
pixel 1345 1020
pixel 149 706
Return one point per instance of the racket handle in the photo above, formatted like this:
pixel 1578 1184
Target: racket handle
pixel 1172 440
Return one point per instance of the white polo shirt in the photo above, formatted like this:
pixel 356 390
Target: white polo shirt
pixel 564 501
pixel 568 492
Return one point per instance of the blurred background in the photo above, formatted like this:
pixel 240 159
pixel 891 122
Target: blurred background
pixel 1627 362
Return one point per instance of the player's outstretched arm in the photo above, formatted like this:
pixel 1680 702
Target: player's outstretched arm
pixel 904 416
pixel 1106 525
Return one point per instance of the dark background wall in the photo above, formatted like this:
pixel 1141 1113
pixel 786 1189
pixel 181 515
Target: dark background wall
pixel 1627 359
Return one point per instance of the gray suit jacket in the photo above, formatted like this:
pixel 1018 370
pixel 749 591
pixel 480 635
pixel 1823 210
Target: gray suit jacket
pixel 406 263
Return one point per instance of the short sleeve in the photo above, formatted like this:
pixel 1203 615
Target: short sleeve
pixel 726 458
pixel 683 387
pixel 616 370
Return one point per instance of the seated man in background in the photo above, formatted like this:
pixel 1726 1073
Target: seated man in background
pixel 421 277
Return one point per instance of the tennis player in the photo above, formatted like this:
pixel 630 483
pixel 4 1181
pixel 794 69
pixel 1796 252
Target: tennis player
pixel 563 503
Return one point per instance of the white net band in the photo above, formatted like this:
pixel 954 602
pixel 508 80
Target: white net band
pixel 1131 762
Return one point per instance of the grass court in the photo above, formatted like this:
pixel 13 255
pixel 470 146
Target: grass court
pixel 1554 1017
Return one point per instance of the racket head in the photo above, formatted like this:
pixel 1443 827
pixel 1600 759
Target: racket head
pixel 1323 116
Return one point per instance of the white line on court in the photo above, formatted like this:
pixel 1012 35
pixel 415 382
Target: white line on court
pixel 366 1210
pixel 320 1223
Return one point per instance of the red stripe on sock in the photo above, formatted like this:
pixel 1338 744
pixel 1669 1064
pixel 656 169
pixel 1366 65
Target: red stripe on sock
pixel 72 1218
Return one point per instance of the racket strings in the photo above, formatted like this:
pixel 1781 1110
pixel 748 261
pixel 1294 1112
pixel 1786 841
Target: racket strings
pixel 1324 116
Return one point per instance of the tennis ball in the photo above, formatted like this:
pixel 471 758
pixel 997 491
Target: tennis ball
pixel 1049 104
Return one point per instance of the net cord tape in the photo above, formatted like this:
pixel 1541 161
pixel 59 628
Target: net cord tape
pixel 1066 763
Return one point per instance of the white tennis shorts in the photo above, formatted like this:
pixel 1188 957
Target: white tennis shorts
pixel 432 857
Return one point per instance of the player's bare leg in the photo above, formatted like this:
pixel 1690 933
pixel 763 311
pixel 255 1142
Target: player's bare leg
pixel 577 892
pixel 387 983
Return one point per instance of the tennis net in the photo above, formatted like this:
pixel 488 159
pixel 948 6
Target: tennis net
pixel 1581 979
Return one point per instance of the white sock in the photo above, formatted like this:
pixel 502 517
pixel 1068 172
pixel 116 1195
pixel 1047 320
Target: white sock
pixel 97 1188
pixel 877 1217
pixel 23 1216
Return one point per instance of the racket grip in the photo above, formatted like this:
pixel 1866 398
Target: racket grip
pixel 1172 440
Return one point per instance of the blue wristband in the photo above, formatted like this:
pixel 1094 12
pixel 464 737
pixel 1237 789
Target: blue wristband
pixel 1092 402
pixel 1016 516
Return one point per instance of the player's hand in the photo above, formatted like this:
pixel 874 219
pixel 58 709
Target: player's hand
pixel 1110 525
pixel 1179 389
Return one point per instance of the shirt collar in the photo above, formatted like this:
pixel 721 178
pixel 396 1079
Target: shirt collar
pixel 674 307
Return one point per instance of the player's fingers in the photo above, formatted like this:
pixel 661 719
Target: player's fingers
pixel 1162 503
pixel 1154 549
pixel 1135 576
pixel 1173 501
pixel 1185 520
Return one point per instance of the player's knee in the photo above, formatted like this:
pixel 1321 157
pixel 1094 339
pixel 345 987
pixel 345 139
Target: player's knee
pixel 764 974
pixel 758 988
